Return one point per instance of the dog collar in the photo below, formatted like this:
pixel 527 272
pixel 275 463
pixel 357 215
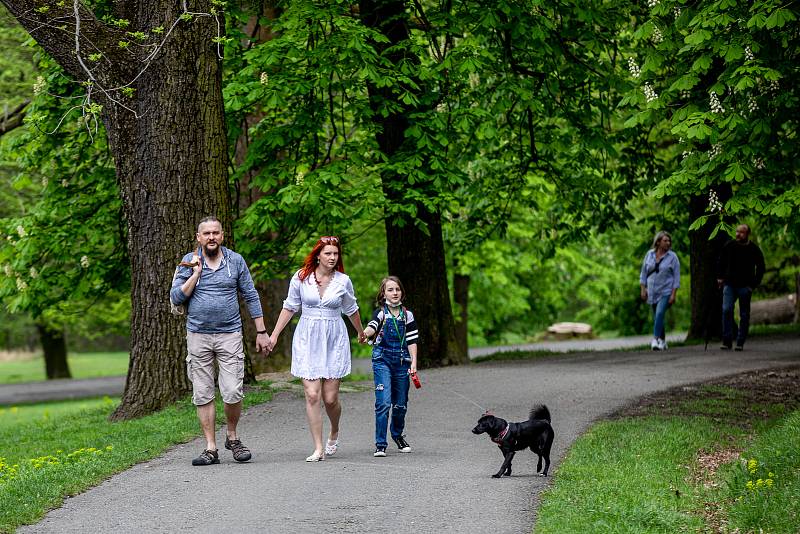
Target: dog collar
pixel 499 438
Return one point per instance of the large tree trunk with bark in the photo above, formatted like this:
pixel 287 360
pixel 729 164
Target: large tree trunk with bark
pixel 55 351
pixel 416 255
pixel 706 295
pixel 169 144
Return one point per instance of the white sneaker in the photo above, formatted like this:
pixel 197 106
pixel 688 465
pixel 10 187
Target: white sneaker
pixel 662 344
pixel 654 345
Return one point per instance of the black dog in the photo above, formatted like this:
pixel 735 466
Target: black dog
pixel 535 433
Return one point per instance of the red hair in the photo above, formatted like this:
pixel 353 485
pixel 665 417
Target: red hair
pixel 310 263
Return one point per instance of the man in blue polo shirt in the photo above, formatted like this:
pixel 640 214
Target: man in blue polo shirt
pixel 209 289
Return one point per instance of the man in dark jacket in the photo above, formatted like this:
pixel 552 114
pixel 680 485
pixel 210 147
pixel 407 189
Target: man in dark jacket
pixel 740 270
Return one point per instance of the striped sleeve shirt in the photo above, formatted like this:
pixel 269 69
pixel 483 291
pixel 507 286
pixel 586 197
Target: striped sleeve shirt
pixel 378 320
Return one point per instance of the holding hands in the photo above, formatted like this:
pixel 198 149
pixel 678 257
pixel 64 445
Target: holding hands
pixel 264 343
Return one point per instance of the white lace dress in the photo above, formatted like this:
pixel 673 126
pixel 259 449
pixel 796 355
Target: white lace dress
pixel 321 346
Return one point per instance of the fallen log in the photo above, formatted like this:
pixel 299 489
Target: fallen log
pixel 779 310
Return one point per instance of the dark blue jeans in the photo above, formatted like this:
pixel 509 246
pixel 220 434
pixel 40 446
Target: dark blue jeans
pixel 390 371
pixel 730 295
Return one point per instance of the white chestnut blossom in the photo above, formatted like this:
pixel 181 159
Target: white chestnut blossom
pixel 34 273
pixel 8 270
pixel 657 37
pixel 759 164
pixel 21 231
pixel 21 284
pixel 774 86
pixel 84 261
pixel 652 3
pixel 39 86
pixel 634 68
pixel 716 150
pixel 714 205
pixel 752 105
pixel 650 93
pixel 676 11
pixel 264 78
pixel 748 54
pixel 716 105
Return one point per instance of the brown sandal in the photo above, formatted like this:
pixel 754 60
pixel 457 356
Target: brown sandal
pixel 240 452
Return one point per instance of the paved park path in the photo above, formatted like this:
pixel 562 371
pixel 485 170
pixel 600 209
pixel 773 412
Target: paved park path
pixel 444 485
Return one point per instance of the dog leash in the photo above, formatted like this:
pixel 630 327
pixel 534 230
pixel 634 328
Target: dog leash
pixel 467 399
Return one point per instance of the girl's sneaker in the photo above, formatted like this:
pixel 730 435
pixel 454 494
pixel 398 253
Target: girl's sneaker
pixel 402 444
pixel 380 452
pixel 654 345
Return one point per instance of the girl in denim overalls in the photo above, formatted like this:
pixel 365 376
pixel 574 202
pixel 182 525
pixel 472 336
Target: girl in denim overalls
pixel 394 357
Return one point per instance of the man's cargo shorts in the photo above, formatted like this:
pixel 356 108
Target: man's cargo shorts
pixel 228 350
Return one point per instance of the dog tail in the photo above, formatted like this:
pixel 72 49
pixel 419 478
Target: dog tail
pixel 540 412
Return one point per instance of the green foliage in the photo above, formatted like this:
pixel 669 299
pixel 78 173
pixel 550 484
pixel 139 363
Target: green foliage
pixel 63 242
pixel 726 99
pixel 17 68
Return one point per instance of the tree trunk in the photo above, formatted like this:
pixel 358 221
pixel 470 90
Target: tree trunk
pixel 172 169
pixel 461 299
pixel 55 351
pixel 169 144
pixel 415 255
pixel 706 295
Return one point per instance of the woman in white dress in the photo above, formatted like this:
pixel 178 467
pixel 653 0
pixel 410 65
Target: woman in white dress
pixel 321 348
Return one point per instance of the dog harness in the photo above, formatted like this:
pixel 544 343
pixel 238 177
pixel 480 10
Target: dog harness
pixel 502 435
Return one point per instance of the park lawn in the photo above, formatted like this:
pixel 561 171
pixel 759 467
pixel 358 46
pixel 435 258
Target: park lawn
pixel 674 473
pixel 81 365
pixel 51 450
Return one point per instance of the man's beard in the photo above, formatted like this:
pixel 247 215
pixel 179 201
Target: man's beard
pixel 211 253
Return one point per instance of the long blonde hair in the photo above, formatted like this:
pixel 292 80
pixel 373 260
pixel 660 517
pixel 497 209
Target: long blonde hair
pixel 659 236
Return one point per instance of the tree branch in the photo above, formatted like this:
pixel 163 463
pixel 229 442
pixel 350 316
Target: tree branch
pixel 53 27
pixel 14 118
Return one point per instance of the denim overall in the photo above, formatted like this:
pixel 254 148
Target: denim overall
pixel 390 364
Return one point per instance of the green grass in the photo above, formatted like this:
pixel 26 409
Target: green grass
pixel 642 474
pixel 82 365
pixel 629 476
pixel 762 494
pixel 51 450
